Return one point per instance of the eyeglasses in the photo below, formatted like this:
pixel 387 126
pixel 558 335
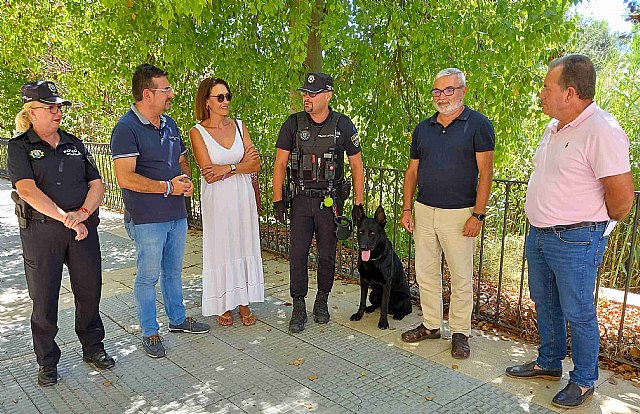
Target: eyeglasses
pixel 311 95
pixel 54 109
pixel 448 91
pixel 166 90
pixel 220 97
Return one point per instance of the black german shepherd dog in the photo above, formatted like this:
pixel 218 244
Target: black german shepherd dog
pixel 380 268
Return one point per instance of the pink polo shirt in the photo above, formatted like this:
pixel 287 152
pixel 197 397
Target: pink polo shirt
pixel 565 186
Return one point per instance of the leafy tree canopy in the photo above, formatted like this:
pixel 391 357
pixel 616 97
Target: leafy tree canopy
pixel 383 55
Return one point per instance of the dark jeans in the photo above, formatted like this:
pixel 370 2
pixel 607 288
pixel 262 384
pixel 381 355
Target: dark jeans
pixel 46 246
pixel 307 219
pixel 562 275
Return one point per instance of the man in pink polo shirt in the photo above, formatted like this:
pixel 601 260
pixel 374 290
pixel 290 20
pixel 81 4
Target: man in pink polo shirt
pixel 581 180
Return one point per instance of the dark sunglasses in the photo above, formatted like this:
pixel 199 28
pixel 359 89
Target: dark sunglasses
pixel 220 97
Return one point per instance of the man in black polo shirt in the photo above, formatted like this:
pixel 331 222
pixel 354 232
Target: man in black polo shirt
pixel 448 153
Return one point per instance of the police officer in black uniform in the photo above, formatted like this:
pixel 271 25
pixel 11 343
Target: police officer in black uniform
pixel 59 190
pixel 310 154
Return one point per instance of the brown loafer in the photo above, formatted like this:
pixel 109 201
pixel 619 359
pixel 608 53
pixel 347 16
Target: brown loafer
pixel 420 333
pixel 460 346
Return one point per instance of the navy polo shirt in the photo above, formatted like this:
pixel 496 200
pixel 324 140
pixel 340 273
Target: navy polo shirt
pixel 447 168
pixel 157 152
pixel 62 173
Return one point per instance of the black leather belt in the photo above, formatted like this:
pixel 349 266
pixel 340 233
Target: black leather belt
pixel 557 229
pixel 36 215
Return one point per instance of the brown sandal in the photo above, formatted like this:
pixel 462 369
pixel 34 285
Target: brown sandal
pixel 460 346
pixel 420 333
pixel 225 320
pixel 249 319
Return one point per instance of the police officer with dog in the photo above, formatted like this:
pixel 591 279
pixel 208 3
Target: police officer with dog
pixel 310 156
pixel 58 193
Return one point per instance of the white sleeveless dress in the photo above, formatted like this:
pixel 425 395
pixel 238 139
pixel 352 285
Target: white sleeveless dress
pixel 232 271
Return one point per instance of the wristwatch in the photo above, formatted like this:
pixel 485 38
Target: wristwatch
pixel 233 168
pixel 479 216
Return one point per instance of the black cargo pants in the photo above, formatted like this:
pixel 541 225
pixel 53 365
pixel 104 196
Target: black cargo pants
pixel 307 218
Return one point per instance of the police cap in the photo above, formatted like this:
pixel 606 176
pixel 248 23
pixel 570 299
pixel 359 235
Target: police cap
pixel 317 82
pixel 42 91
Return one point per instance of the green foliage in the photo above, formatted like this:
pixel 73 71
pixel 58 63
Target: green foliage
pixel 382 54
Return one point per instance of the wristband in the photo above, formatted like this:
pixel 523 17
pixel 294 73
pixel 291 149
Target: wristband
pixel 406 209
pixel 168 190
pixel 84 210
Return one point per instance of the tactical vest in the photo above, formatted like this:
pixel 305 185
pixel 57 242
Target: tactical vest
pixel 314 157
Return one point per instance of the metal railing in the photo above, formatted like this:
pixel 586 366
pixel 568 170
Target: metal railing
pixel 501 295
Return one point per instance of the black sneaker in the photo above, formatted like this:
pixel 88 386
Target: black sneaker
pixel 190 326
pixel 153 346
pixel 47 375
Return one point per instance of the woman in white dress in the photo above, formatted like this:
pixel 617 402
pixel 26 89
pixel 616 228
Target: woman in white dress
pixel 232 274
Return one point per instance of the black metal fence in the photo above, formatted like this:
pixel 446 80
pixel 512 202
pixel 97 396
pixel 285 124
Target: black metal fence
pixel 500 283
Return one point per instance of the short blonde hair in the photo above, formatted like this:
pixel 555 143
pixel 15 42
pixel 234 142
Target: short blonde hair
pixel 23 119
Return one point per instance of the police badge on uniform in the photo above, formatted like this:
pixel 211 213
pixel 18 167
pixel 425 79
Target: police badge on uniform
pixel 356 140
pixel 311 79
pixel 305 135
pixel 36 154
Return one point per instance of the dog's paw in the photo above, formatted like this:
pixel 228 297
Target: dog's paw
pixel 383 324
pixel 356 317
pixel 370 309
pixel 399 316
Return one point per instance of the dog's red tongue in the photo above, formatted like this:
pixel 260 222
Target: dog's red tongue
pixel 366 254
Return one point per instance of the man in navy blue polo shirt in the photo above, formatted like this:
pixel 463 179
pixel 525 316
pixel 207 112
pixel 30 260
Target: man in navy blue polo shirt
pixel 153 173
pixel 452 165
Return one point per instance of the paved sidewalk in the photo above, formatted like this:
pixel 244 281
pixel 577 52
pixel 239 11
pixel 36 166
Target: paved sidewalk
pixel 341 367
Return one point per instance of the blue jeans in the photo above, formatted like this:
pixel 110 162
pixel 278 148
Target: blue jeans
pixel 562 274
pixel 160 250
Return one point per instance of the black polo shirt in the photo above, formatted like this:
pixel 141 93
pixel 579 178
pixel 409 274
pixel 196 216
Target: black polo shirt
pixel 447 168
pixel 62 173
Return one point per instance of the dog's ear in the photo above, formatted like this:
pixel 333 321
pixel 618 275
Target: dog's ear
pixel 381 218
pixel 357 214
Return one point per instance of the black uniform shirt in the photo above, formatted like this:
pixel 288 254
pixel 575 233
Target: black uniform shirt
pixel 348 140
pixel 62 174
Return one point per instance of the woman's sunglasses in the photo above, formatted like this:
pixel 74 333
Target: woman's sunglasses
pixel 220 97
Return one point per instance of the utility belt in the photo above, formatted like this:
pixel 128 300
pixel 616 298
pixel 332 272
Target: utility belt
pixel 25 212
pixel 341 191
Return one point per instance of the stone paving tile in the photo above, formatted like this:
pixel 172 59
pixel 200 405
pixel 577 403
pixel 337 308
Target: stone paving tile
pixel 487 400
pixel 80 388
pixel 117 252
pixel 296 399
pixel 17 341
pixel 12 398
pixel 122 310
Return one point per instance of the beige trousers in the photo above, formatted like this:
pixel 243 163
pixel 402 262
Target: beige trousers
pixel 435 230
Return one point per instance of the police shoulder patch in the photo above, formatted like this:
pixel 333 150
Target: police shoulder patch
pixel 356 140
pixel 36 154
